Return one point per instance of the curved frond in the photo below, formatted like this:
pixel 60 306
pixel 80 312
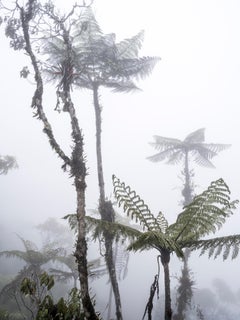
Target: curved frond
pixel 137 68
pixel 216 147
pixel 206 214
pixel 134 206
pixel 172 154
pixel 129 48
pixel 15 254
pixel 157 240
pixel 163 143
pixel 72 221
pixel 226 247
pixel 86 29
pixel 197 136
pixel 202 153
pixel 162 222
pixel 121 85
pixel 117 230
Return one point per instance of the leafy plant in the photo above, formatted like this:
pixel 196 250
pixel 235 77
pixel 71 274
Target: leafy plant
pixel 204 215
pixel 7 163
pixel 98 61
pixel 68 309
pixel 193 148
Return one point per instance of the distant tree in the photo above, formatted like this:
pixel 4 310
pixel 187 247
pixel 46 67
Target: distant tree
pixel 34 261
pixel 204 215
pixel 192 148
pixel 27 24
pixel 100 62
pixel 174 151
pixel 95 269
pixel 53 231
pixel 7 163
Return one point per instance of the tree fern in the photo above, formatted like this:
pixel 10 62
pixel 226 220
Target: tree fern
pixel 135 207
pixel 205 214
pixel 226 247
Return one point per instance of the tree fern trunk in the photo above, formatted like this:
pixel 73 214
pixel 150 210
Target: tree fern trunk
pixel 185 288
pixel 187 189
pixel 98 120
pixel 105 207
pixel 165 258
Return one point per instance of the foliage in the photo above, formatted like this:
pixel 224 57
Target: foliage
pixel 97 60
pixel 34 260
pixel 68 309
pixel 204 215
pixel 7 163
pixel 192 147
pixel 174 150
pixel 34 22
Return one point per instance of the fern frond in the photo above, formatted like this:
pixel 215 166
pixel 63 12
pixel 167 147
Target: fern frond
pixel 226 247
pixel 138 68
pixel 163 143
pixel 72 221
pixel 207 213
pixel 162 222
pixel 86 29
pixel 120 86
pixel 134 206
pixel 129 48
pixel 157 240
pixel 197 136
pixel 117 230
pixel 172 154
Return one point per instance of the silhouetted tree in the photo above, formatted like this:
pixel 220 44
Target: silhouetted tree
pixel 100 62
pixel 174 151
pixel 34 260
pixel 26 26
pixel 204 215
pixel 192 148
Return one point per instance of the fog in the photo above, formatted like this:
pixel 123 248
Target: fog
pixel 194 85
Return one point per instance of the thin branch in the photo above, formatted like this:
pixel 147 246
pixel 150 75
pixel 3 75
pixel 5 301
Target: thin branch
pixel 37 98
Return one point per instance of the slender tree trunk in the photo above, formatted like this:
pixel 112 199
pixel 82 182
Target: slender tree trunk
pixel 76 163
pixel 165 259
pixel 81 253
pixel 187 189
pixel 79 172
pixel 98 122
pixel 105 207
pixel 186 287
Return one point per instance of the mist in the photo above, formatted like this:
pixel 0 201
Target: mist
pixel 194 85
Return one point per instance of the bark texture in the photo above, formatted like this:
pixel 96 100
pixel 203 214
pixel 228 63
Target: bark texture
pixel 105 207
pixel 76 162
pixel 165 259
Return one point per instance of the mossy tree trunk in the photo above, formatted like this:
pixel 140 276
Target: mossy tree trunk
pixel 75 162
pixel 105 207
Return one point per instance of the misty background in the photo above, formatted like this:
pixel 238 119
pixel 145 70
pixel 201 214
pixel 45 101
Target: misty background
pixel 195 85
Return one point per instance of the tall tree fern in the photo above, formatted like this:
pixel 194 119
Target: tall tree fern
pixel 203 216
pixel 174 151
pixel 192 148
pixel 98 61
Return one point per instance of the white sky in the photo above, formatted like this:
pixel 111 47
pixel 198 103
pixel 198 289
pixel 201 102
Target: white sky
pixel 196 84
